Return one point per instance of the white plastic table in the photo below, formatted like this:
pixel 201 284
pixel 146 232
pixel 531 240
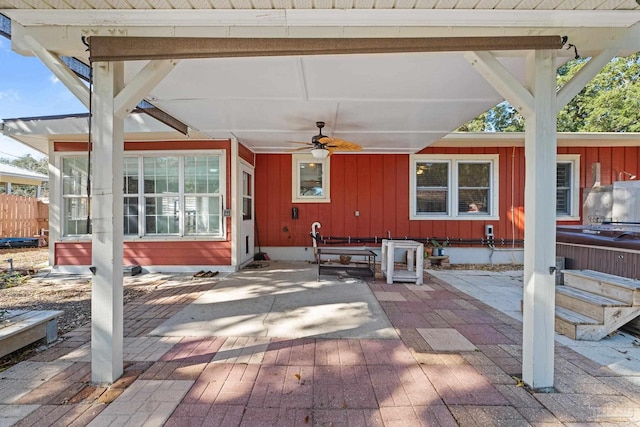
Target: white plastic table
pixel 415 261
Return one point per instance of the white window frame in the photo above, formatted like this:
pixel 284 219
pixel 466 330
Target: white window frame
pixel 574 199
pixel 453 160
pixel 141 203
pixel 296 160
pixel 60 183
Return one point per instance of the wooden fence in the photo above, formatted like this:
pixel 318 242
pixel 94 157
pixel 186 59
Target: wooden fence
pixel 22 216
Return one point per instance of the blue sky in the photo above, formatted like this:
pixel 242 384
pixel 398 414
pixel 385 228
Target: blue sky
pixel 28 89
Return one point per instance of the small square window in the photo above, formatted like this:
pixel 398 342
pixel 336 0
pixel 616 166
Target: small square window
pixel 310 179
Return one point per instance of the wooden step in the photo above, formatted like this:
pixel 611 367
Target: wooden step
pixel 579 327
pixel 586 303
pixel 607 285
pixel 567 322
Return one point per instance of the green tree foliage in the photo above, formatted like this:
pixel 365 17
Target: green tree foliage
pixel 609 103
pixel 31 163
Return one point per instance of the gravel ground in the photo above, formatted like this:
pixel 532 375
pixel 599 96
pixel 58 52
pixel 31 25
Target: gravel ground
pixel 31 287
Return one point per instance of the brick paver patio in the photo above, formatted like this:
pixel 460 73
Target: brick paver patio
pixel 249 381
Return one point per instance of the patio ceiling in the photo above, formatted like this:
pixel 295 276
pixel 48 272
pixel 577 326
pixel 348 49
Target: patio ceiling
pixel 392 102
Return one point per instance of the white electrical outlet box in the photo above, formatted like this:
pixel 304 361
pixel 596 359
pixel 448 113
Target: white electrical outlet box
pixel 488 230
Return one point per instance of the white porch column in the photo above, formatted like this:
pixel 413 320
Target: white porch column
pixel 8 188
pixel 540 224
pixel 107 227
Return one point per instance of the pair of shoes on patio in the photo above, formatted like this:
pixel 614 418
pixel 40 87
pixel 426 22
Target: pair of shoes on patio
pixel 203 273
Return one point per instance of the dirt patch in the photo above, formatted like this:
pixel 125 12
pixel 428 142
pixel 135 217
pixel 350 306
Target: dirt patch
pixel 29 287
pixel 481 267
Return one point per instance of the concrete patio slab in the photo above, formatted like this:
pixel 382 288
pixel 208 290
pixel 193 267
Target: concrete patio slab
pixel 283 301
pixel 619 352
pixel 446 339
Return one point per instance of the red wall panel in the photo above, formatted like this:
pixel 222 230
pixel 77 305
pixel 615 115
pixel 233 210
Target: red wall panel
pixel 377 186
pixel 246 154
pixel 151 253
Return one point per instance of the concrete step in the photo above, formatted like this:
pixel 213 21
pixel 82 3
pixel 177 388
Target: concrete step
pixel 607 285
pixel 584 302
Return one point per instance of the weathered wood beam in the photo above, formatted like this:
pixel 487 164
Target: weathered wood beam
pixel 149 48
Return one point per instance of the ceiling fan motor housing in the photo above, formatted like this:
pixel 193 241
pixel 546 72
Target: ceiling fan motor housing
pixel 316 139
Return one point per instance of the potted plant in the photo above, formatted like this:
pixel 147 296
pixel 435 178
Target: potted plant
pixel 438 248
pixel 428 251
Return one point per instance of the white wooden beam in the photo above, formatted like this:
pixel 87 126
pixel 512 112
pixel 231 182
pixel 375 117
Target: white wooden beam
pixel 502 81
pixel 107 333
pixel 60 70
pixel 582 77
pixel 447 18
pixel 538 322
pixel 141 85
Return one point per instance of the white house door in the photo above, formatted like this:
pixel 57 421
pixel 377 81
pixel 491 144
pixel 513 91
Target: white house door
pixel 247 222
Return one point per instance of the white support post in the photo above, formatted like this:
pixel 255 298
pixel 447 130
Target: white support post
pixel 55 190
pixel 235 206
pixel 540 224
pixel 8 188
pixel 107 333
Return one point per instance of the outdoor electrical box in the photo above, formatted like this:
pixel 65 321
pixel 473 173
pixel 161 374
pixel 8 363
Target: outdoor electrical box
pixel 488 230
pixel 294 213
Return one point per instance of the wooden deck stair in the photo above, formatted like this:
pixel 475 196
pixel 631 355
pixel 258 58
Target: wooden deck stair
pixel 590 305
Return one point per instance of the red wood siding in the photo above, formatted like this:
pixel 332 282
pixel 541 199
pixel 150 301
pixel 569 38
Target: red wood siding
pixel 152 253
pixel 246 154
pixel 77 253
pixel 377 186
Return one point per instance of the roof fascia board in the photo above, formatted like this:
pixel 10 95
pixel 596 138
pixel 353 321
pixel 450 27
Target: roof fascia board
pixel 327 18
pixel 140 48
pixel 565 139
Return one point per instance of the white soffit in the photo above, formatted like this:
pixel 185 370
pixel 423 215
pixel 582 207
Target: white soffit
pixel 386 102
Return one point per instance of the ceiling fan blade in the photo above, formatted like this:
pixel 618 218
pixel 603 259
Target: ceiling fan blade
pixel 338 144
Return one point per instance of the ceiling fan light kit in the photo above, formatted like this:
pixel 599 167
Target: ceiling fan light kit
pixel 320 153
